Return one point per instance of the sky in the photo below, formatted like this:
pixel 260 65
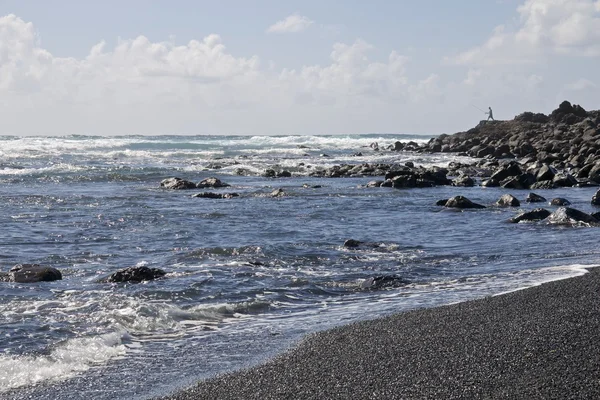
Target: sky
pixel 290 67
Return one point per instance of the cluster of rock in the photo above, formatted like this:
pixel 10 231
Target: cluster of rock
pixel 566 140
pixel 562 216
pixel 30 273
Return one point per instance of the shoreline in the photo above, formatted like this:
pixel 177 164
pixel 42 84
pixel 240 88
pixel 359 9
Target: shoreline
pixel 539 342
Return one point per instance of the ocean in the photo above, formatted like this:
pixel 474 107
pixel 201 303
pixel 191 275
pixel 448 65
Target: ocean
pixel 247 277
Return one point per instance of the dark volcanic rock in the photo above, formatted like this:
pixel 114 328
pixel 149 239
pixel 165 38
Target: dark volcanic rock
pixel 211 183
pixel 534 198
pixel 461 202
pixel 570 216
pixel 352 243
pixel 136 274
pixel 510 169
pixel 212 195
pixel 596 198
pixel 177 184
pixel 559 201
pixel 29 273
pixel 537 214
pixel 463 180
pixel 508 200
pixel 383 282
pixel 375 183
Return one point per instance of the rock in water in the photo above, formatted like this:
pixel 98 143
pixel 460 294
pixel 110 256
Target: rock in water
pixel 571 216
pixel 383 282
pixel 559 201
pixel 537 214
pixel 352 243
pixel 596 198
pixel 177 184
pixel 28 273
pixel 508 200
pixel 534 198
pixel 136 275
pixel 211 195
pixel 461 202
pixel 212 183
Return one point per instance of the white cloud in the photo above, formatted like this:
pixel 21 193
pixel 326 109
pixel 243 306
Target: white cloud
pixel 546 28
pixel 581 84
pixel 292 24
pixel 161 87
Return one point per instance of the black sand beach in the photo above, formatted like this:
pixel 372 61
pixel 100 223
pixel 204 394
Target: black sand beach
pixel 539 343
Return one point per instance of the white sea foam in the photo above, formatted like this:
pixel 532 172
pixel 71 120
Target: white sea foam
pixel 65 360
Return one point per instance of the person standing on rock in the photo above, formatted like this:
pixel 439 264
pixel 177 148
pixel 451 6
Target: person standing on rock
pixel 490 114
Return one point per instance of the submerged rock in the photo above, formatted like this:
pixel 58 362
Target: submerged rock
pixel 136 275
pixel 571 216
pixel 537 214
pixel 383 282
pixel 352 243
pixel 461 202
pixel 177 184
pixel 29 273
pixel 277 193
pixel 212 195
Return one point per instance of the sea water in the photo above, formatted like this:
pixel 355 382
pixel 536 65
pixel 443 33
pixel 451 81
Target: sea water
pixel 246 277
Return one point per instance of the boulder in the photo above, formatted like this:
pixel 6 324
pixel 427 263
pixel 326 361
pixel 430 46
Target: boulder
pixel 559 201
pixel 571 216
pixel 212 195
pixel 136 275
pixel 534 198
pixel 29 273
pixel 546 173
pixel 211 183
pixel 537 214
pixel 461 202
pixel 508 200
pixel 177 184
pixel 463 180
pixel 507 170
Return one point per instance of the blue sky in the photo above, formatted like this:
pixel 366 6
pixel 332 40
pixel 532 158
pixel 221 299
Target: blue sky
pixel 289 67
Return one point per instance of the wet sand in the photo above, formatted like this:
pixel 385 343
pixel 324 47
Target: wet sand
pixel 538 343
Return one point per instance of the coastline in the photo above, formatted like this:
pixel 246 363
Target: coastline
pixel 540 342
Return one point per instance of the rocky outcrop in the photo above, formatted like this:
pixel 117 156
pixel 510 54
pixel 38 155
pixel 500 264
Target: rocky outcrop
pixel 135 275
pixel 461 202
pixel 562 149
pixel 29 273
pixel 537 214
pixel 508 200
